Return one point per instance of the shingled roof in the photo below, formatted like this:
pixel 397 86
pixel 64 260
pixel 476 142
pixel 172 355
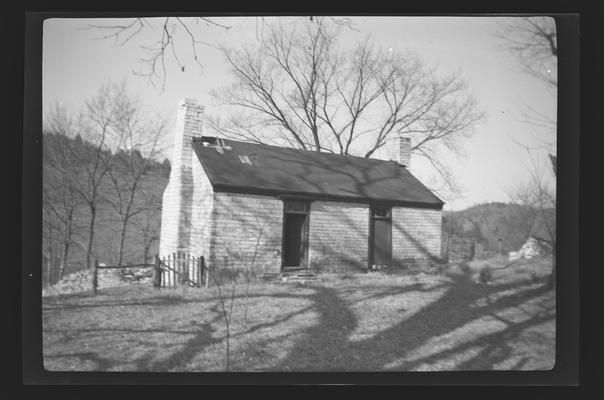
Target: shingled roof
pixel 241 167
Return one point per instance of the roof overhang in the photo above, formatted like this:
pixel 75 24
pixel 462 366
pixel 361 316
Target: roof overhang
pixel 222 188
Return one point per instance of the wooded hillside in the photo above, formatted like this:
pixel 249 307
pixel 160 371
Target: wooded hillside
pixel 66 217
pixel 491 222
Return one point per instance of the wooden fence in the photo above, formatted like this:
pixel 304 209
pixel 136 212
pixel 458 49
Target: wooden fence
pixel 177 269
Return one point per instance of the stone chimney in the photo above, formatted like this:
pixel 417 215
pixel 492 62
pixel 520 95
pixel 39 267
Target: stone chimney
pixel 177 198
pixel 188 126
pixel 401 150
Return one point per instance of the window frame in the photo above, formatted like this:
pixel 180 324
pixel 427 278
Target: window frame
pixel 287 206
pixel 375 214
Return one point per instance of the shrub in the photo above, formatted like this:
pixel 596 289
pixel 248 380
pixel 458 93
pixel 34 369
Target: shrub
pixel 485 274
pixel 465 268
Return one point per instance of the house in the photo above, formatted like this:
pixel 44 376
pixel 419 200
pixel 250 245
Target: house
pixel 274 208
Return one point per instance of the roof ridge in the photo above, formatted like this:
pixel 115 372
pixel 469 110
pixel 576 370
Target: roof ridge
pixel 300 150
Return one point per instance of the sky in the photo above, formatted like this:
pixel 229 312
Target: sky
pixel 77 61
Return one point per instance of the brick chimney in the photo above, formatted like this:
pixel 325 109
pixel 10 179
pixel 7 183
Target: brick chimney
pixel 177 198
pixel 401 150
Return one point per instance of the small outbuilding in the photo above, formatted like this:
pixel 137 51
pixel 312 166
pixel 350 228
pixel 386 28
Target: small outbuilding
pixel 274 209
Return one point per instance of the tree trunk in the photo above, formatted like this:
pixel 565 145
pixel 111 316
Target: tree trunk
pixel 50 256
pixel 148 242
pixel 63 260
pixel 66 241
pixel 120 254
pixel 145 253
pixel 90 236
pixel 126 219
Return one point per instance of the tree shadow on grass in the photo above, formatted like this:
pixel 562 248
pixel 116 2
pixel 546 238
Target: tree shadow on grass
pixel 381 292
pixel 156 301
pixel 201 338
pixel 328 339
pixel 157 353
pixel 179 359
pixel 326 346
pixel 99 363
pixel 74 302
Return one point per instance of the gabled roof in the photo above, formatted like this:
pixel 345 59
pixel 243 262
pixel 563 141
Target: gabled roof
pixel 272 170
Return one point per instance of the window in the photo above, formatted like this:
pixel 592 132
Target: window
pixel 296 206
pixel 380 212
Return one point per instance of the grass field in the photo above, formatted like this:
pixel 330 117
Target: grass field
pixel 357 322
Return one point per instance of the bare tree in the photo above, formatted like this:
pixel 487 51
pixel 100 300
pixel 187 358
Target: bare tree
pixel 240 267
pixel 538 195
pixel 226 302
pixel 172 35
pixel 96 125
pixel 168 32
pixel 527 220
pixel 60 207
pixel 48 240
pixel 246 258
pixel 60 197
pixel 533 43
pixel 138 135
pixel 298 88
pixel 148 222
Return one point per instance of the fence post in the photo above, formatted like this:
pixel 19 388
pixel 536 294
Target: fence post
pixel 95 277
pixel 206 269
pixel 200 271
pixel 185 268
pixel 189 269
pixel 182 262
pixel 156 277
pixel 173 274
pixel 162 271
pixel 179 268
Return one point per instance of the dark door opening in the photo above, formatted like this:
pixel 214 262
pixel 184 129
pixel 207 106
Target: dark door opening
pixel 295 235
pixel 380 237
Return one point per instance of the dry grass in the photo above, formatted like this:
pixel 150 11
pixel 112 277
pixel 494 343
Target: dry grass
pixel 364 322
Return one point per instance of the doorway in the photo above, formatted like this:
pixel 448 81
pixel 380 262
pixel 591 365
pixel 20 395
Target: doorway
pixel 380 236
pixel 295 234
